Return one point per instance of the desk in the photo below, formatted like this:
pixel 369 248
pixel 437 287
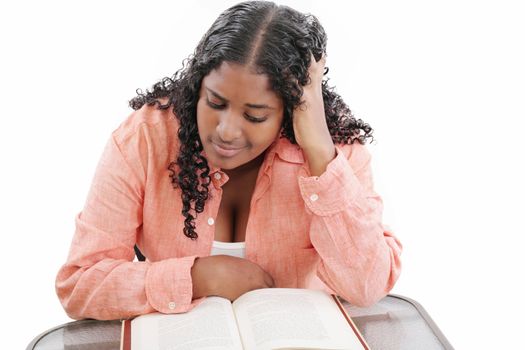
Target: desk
pixel 395 322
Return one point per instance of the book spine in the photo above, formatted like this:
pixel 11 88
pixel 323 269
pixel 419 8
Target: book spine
pixel 125 338
pixel 351 323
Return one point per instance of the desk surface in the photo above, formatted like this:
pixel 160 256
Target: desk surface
pixel 395 322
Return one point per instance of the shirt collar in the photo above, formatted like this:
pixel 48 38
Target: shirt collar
pixel 287 151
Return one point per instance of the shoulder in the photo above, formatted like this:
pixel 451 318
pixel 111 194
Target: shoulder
pixel 147 139
pixel 358 155
pixel 355 150
pixel 147 121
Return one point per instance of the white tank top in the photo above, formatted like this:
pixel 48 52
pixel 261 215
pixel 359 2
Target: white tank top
pixel 229 248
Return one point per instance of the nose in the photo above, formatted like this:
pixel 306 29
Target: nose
pixel 229 128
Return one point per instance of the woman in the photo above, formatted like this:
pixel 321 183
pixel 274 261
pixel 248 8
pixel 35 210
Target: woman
pixel 242 171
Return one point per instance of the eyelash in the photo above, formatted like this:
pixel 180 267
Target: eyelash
pixel 247 116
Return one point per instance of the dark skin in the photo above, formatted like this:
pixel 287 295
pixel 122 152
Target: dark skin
pixel 238 117
pixel 232 218
pixel 224 275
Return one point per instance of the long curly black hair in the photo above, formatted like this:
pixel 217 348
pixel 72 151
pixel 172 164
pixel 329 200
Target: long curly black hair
pixel 277 41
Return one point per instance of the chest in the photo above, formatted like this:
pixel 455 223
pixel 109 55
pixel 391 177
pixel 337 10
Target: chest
pixel 271 211
pixel 234 210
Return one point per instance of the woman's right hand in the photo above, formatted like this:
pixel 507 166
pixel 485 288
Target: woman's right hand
pixel 227 276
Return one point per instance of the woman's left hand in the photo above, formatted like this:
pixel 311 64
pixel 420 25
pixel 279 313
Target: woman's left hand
pixel 309 122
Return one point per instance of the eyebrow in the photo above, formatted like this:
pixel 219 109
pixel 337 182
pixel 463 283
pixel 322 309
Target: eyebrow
pixel 251 105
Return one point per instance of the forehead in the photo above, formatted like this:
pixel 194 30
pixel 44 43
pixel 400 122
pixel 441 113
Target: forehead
pixel 241 83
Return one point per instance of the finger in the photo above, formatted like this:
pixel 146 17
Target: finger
pixel 322 66
pixel 317 68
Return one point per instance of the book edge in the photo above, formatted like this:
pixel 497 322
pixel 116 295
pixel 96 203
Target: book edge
pixel 125 337
pixel 350 322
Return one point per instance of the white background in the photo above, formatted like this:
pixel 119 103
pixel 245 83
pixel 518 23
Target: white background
pixel 442 83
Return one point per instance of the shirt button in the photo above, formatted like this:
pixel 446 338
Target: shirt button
pixel 314 197
pixel 217 176
pixel 210 221
pixel 172 305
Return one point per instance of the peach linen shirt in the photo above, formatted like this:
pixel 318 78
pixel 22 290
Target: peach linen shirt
pixel 300 227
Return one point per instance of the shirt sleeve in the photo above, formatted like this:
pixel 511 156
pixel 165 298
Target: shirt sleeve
pixel 100 280
pixel 360 257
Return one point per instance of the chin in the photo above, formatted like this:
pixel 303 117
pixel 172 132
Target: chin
pixel 231 163
pixel 224 162
pixel 227 163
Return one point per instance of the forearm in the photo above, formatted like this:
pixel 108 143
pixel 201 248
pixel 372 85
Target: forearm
pixel 319 158
pixel 359 258
pixel 116 289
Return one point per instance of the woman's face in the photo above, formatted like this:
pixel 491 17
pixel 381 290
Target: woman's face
pixel 238 115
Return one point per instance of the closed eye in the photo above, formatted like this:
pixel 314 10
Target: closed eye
pixel 254 119
pixel 247 116
pixel 214 105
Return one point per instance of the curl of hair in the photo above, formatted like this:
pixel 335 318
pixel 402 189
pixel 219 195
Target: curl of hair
pixel 275 40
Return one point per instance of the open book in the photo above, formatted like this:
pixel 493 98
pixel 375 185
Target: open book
pixel 271 318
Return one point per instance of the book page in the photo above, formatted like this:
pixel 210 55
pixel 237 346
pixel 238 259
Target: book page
pixel 275 318
pixel 210 325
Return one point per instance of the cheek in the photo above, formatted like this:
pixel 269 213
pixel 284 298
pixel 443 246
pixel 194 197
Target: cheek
pixel 204 120
pixel 263 136
pixel 276 128
pixel 200 115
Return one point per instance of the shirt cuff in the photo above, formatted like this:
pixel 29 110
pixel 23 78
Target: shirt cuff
pixel 334 190
pixel 169 287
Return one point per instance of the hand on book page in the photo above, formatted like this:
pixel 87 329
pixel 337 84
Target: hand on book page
pixel 227 276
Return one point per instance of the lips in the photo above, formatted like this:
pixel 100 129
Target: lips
pixel 225 151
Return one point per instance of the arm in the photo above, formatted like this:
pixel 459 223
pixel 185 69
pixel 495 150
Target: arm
pixel 359 257
pixel 99 279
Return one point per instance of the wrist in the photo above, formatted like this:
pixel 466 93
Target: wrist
pixel 319 159
pixel 198 280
